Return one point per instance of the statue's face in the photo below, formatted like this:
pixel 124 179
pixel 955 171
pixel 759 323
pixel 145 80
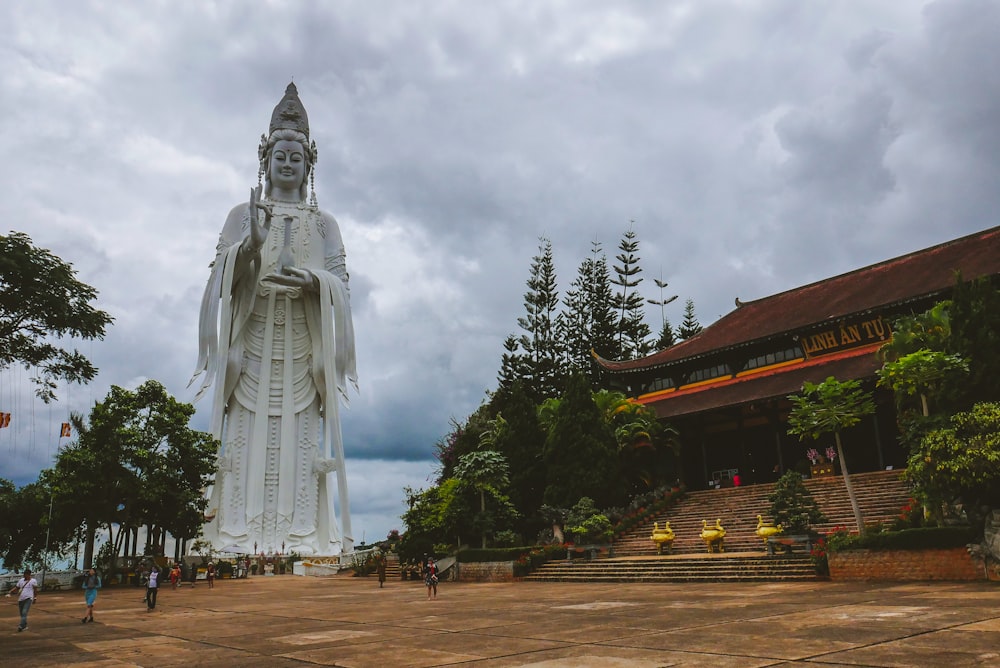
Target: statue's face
pixel 288 165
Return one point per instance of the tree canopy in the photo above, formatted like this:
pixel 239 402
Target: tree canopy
pixel 41 302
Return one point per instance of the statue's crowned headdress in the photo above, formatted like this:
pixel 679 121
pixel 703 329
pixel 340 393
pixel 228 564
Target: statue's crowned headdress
pixel 289 114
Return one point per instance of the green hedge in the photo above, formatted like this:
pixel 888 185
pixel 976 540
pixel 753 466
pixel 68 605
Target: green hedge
pixel 908 539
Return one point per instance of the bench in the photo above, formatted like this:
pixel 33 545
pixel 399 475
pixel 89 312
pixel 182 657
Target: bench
pixel 788 543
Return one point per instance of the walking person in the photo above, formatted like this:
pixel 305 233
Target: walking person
pixel 210 575
pixel 91 583
pixel 27 588
pixel 380 567
pixel 152 587
pixel 431 578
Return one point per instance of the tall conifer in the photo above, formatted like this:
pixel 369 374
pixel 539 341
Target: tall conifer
pixel 542 348
pixel 633 332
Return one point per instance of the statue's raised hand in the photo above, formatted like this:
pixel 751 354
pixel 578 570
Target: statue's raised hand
pixel 258 231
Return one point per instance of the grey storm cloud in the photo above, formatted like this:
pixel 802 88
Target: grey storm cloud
pixel 753 147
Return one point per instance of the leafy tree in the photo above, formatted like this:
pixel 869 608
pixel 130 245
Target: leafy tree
pixel 41 300
pixel 974 314
pixel 962 462
pixel 436 516
pixel 633 332
pixel 930 330
pixel 923 373
pixel 831 407
pixel 485 471
pixel 644 442
pixel 23 513
pixel 138 464
pixel 690 325
pixel 542 349
pixel 580 455
pixel 792 505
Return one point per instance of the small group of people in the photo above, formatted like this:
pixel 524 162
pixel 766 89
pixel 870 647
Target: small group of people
pixel 27 591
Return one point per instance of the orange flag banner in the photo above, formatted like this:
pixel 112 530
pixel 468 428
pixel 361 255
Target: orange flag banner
pixel 66 433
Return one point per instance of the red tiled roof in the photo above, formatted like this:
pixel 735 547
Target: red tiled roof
pixel 856 364
pixel 895 281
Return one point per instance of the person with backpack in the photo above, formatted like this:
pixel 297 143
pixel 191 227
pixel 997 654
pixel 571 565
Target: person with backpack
pixel 91 583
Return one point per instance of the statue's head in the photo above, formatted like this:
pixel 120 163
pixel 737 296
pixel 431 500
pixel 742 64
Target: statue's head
pixel 289 126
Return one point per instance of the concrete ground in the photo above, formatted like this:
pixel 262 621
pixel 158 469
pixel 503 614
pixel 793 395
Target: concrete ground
pixel 344 621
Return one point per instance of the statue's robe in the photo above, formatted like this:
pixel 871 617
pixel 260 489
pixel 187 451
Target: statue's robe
pixel 280 360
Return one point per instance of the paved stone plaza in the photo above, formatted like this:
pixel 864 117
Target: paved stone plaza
pixel 345 621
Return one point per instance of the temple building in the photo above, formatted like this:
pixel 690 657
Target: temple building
pixel 725 389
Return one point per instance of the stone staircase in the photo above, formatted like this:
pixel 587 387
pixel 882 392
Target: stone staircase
pixel 880 495
pixel 392 571
pixel 728 567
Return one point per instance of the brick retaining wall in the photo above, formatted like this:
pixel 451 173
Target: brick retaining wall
pixel 941 564
pixel 486 571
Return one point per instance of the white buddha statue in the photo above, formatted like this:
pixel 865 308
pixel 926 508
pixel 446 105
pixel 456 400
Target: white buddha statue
pixel 277 343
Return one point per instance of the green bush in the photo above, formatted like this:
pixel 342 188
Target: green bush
pixel 793 506
pixel 594 529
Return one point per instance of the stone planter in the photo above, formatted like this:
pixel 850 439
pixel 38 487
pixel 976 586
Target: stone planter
pixel 820 470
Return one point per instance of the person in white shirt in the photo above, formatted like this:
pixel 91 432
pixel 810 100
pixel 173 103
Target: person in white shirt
pixel 27 587
pixel 152 587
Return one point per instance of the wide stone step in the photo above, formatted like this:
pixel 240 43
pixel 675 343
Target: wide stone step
pixel 671 569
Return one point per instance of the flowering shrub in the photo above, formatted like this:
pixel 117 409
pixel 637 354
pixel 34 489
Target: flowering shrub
pixel 910 516
pixel 819 559
pixel 644 508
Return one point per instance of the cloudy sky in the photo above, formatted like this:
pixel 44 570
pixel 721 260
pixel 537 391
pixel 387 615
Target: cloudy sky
pixel 757 146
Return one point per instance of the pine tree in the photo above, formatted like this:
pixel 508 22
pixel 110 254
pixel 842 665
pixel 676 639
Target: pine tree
pixel 543 350
pixel 633 332
pixel 512 364
pixel 576 320
pixel 690 325
pixel 667 337
pixel 603 329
